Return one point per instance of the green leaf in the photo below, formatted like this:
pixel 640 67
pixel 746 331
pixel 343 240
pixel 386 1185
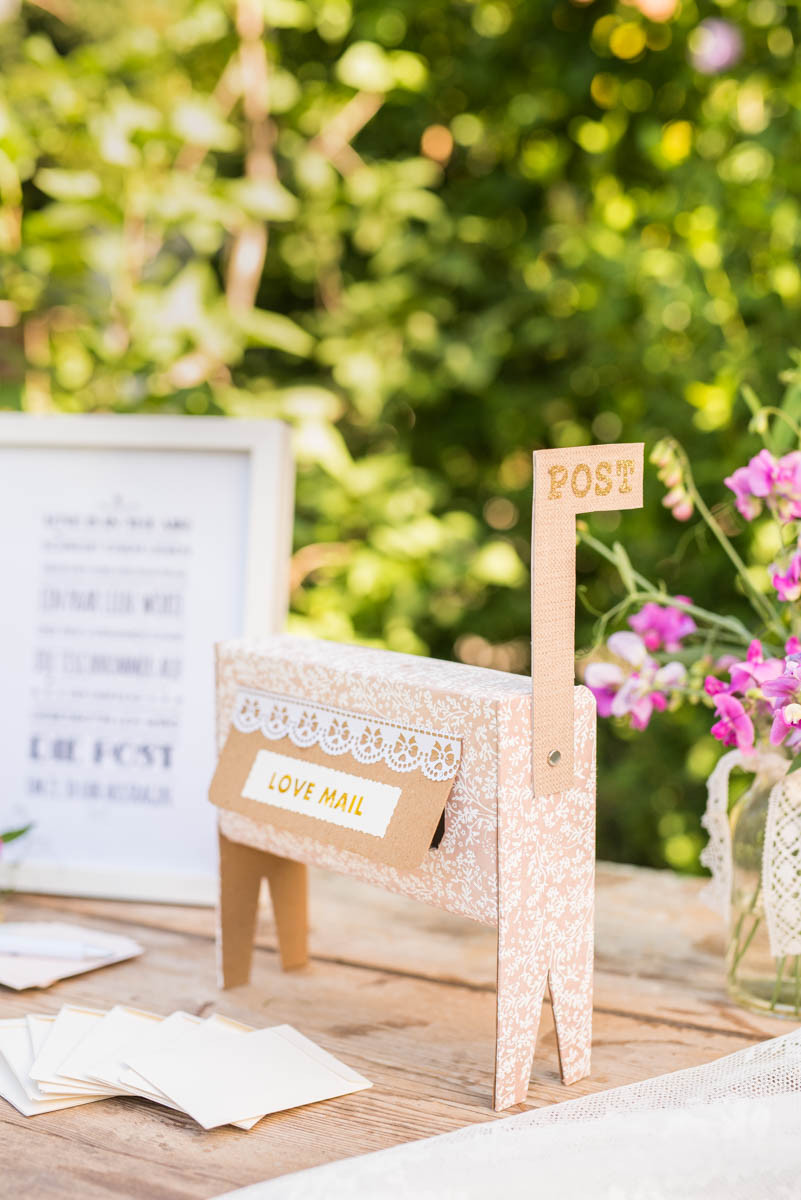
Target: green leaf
pixel 795 765
pixel 12 834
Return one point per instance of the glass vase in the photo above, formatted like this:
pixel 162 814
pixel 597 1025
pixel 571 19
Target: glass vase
pixel 755 979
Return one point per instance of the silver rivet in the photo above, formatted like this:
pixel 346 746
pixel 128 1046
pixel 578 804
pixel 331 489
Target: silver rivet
pixel 554 757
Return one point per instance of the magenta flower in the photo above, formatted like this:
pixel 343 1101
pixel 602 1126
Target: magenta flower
pixel 752 484
pixel 771 481
pixel 735 727
pixel 603 679
pixel 788 585
pixel 784 695
pixel 662 625
pixel 756 669
pixel 715 46
pixel 634 686
pixel 786 724
pixel 792 646
pixel 714 686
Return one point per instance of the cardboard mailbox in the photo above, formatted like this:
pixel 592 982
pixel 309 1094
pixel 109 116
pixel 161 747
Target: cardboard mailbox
pixel 467 788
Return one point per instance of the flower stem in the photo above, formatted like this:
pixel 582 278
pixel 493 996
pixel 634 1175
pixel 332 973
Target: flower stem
pixel 649 591
pixel 778 412
pixel 741 949
pixel 778 984
pixel 761 605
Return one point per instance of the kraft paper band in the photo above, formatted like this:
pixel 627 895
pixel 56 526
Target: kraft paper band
pixel 579 479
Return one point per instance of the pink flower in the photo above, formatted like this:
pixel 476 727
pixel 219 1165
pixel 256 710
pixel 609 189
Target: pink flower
pixel 662 625
pixel 735 727
pixel 714 686
pixel 776 482
pixel 756 670
pixel 603 679
pixel 680 502
pixel 788 585
pixel 792 646
pixel 753 483
pixel 786 720
pixel 670 472
pixel 634 686
pixel 787 488
pixel 747 504
pixel 784 696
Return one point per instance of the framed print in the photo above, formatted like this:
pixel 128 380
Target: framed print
pixel 130 546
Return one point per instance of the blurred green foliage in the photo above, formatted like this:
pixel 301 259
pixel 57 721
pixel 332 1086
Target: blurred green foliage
pixel 489 226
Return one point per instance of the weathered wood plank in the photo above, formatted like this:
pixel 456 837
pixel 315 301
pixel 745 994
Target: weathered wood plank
pixel 401 992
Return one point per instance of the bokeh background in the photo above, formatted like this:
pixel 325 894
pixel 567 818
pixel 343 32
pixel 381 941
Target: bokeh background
pixel 433 236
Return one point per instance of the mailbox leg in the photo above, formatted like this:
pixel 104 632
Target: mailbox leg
pixel 570 980
pixel 522 973
pixel 287 881
pixel 242 869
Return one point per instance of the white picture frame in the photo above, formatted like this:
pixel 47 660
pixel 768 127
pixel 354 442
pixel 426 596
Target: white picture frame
pixel 226 474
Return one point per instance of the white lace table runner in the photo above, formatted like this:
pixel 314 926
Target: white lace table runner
pixel 730 1130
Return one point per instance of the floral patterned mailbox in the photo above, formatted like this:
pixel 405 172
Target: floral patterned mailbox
pixel 470 789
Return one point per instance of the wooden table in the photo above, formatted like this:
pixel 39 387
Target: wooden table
pixel 401 992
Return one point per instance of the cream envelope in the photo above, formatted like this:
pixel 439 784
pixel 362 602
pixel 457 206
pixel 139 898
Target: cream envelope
pixel 15 1045
pixel 39 1026
pixel 154 1040
pixel 95 1058
pixel 167 1036
pixel 70 1026
pixel 29 970
pixel 15 1058
pixel 218 1079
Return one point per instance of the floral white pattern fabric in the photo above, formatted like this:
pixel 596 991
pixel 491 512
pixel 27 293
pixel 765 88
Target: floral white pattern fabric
pixel 507 857
pixel 339 731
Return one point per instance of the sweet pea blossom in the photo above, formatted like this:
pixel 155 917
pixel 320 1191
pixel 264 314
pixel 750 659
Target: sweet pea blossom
pixel 735 727
pixel 756 670
pixel 635 686
pixel 788 585
pixel 663 626
pixel 665 457
pixel 771 481
pixel 784 693
pixel 714 686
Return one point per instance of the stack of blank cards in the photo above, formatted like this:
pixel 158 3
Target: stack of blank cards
pixel 218 1071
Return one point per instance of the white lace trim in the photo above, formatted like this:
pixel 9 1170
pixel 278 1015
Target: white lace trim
pixel 402 747
pixel 781 854
pixel 781 867
pixel 716 855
